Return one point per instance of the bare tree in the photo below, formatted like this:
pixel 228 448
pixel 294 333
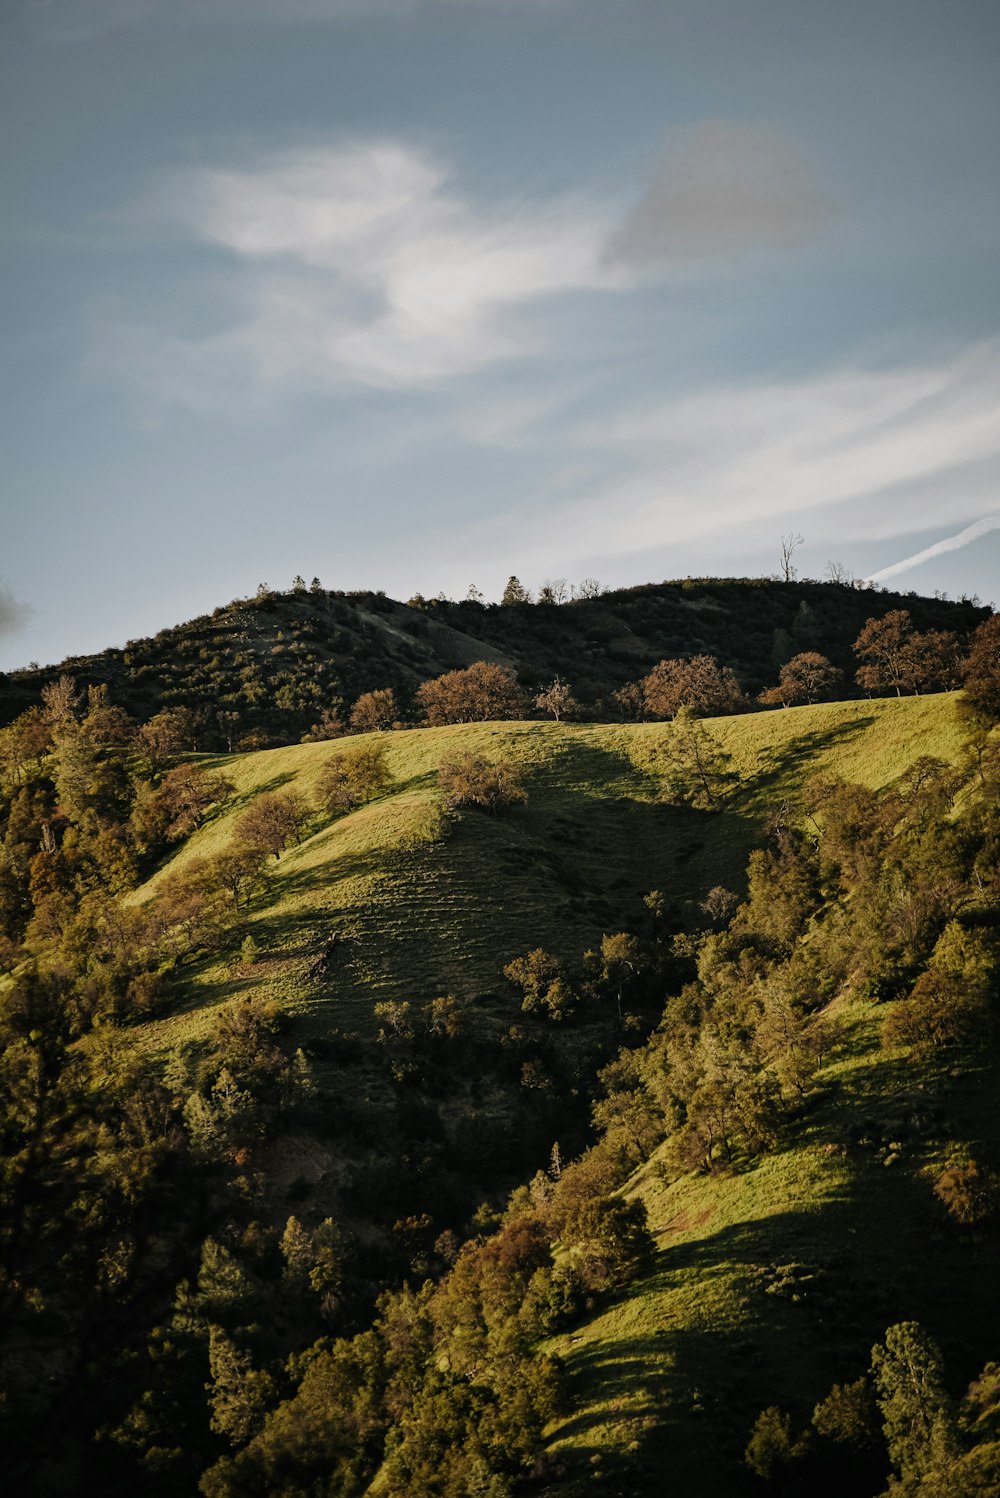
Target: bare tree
pixel 836 572
pixel 789 546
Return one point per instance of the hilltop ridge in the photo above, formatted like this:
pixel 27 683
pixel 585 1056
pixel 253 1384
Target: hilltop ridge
pixel 268 666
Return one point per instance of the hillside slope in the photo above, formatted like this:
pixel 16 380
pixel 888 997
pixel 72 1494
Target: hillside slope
pixel 424 906
pixel 773 1281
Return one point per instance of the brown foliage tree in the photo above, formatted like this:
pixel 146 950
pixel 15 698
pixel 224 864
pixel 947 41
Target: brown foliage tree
pixel 700 684
pixel 166 734
pixel 187 793
pixel 330 726
pixel 896 658
pixel 479 692
pixel 881 647
pixel 981 671
pixel 967 1191
pixel 375 711
pixel 808 677
pixel 22 742
pixel 271 821
pixel 471 780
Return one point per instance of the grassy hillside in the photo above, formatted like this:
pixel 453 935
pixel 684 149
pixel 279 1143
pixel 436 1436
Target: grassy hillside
pixel 427 906
pixel 312 1243
pixel 773 1282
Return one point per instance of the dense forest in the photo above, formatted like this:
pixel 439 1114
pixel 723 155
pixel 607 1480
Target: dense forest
pixel 391 1109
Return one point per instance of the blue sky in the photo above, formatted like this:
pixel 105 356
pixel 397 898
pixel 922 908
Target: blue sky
pixel 414 294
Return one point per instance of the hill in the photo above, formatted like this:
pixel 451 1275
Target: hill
pixel 304 1193
pixel 270 665
pixel 772 1282
pixel 423 906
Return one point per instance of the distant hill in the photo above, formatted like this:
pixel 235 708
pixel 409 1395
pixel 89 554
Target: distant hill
pixel 270 665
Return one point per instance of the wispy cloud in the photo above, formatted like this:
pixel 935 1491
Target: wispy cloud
pixel 961 538
pixel 852 456
pixel 363 263
pixel 369 262
pixel 721 187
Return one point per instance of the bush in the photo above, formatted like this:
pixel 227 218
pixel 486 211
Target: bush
pixel 472 780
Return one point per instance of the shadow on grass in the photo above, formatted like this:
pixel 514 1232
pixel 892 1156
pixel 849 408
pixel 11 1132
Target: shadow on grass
pixel 776 1309
pixel 788 766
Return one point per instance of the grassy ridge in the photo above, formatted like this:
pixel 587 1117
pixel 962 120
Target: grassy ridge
pixel 426 906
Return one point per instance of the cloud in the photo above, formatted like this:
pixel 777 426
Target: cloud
pixel 939 548
pixel 720 188
pixel 360 264
pixel 852 456
pixel 13 614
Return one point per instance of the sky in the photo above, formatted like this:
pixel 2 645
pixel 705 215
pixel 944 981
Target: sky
pixel 417 294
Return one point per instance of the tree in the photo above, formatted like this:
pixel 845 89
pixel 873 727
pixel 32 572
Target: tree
pixel 166 734
pixel 610 1239
pixel 539 976
pixel 476 694
pixel 108 726
pixel 808 677
pixel 349 779
pixel 330 726
pixel 619 962
pixel 789 546
pixel 588 588
pixel 239 1394
pixel 838 573
pixel 898 659
pixel 917 1418
pixel 472 780
pixel 558 700
pixel 772 1445
pixel 187 793
pixel 981 671
pixel 514 592
pixel 369 771
pixel 271 821
pixel 699 683
pixel 698 769
pixel 375 711
pixel 298 584
pixel 553 591
pixel 23 742
pixel 968 1192
pixel 931 661
pixel 60 701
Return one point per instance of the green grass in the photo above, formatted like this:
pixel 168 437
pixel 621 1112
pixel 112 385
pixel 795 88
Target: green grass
pixel 702 1332
pixel 428 906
